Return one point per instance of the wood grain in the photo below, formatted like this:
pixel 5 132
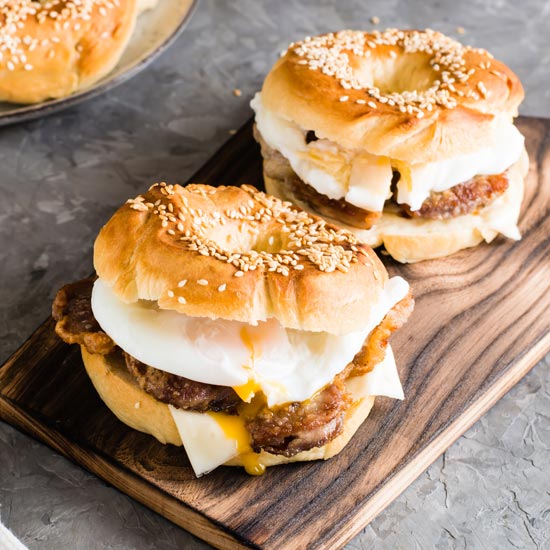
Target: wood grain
pixel 482 320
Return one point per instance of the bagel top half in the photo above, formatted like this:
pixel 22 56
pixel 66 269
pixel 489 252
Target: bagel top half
pixel 238 254
pixel 414 96
pixel 52 49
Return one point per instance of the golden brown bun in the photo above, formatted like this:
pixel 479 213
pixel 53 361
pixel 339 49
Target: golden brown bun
pixel 120 393
pixel 56 56
pixel 413 240
pixel 231 264
pixel 313 99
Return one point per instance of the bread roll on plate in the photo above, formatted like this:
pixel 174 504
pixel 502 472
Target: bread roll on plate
pixel 54 48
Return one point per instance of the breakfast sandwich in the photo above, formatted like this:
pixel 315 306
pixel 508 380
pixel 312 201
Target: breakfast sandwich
pixel 404 137
pixel 237 325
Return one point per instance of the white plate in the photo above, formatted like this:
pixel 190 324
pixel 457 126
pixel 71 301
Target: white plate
pixel 155 30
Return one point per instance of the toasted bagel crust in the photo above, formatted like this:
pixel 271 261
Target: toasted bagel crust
pixel 334 98
pixel 238 254
pixel 144 413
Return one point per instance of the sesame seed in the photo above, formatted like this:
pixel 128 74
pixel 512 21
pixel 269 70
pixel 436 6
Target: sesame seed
pixel 170 294
pixel 460 30
pixel 372 105
pixel 137 405
pixel 66 13
pixel 332 54
pixel 237 92
pixel 308 239
pixel 222 288
pixel 361 101
pixel 182 300
pixel 375 20
pixel 344 98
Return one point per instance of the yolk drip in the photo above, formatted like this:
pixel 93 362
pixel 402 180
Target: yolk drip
pixel 247 341
pixel 247 390
pixel 233 428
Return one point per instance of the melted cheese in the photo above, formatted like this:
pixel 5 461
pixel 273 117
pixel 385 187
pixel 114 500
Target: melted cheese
pixel 212 439
pixel 265 357
pixel 365 180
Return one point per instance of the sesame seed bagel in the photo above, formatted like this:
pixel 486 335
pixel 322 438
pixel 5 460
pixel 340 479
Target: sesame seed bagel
pixel 53 48
pixel 238 254
pixel 414 96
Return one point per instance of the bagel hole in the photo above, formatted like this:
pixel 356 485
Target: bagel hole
pixel 235 238
pixel 408 72
pixel 270 243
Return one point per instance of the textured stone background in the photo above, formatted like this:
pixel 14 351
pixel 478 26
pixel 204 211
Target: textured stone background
pixel 63 176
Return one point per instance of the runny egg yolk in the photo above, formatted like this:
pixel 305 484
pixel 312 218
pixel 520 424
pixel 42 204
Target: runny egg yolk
pixel 233 428
pixel 247 390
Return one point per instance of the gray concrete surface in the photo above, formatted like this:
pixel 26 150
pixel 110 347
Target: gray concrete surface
pixel 61 178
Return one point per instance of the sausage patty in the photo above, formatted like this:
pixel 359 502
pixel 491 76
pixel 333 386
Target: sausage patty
pixel 181 392
pixel 295 427
pixel 76 324
pixel 463 198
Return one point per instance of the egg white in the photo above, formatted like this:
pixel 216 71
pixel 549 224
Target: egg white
pixel 285 364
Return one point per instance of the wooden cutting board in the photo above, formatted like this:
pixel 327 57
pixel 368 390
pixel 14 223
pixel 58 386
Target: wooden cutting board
pixel 481 322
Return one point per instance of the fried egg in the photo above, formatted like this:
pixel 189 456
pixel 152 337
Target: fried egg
pixel 285 364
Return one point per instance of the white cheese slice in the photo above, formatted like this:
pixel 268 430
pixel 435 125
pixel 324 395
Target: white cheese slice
pixel 205 442
pixel 370 182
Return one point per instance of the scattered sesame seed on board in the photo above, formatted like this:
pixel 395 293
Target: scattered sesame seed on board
pixel 375 20
pixel 237 92
pixel 460 30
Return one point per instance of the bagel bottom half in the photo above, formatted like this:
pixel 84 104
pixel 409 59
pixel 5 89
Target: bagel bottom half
pixel 413 240
pixel 141 411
